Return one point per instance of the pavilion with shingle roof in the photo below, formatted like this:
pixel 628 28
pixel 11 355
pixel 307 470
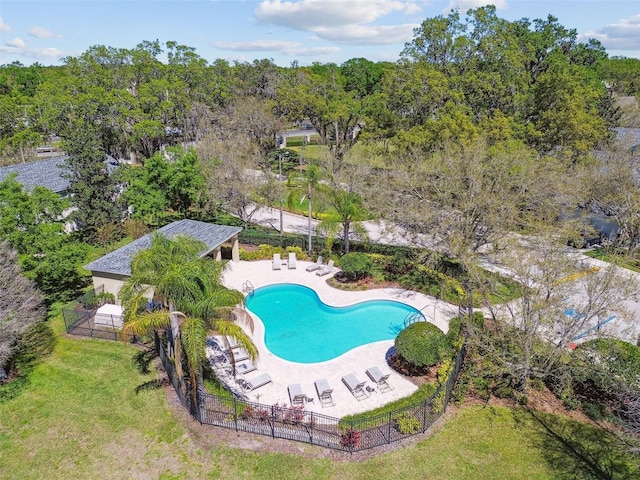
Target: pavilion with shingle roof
pixel 114 268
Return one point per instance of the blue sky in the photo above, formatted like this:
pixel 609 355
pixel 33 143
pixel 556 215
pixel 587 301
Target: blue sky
pixel 308 31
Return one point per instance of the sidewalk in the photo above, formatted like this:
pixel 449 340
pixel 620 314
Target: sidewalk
pixel 388 234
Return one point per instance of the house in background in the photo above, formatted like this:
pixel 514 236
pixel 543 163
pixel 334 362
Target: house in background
pixel 45 173
pixel 112 270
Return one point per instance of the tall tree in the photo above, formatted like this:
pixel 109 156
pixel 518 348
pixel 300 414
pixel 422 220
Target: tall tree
pixel 346 211
pixel 21 305
pixel 194 302
pixel 559 301
pixel 93 191
pixel 33 223
pixel 309 180
pixel 318 94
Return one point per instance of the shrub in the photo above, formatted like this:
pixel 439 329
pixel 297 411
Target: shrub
pixel 454 334
pixel 603 367
pixel 503 388
pixel 350 438
pixel 356 266
pixel 399 265
pixel 594 411
pixel 481 386
pixel 407 424
pixel 422 344
pixel 37 342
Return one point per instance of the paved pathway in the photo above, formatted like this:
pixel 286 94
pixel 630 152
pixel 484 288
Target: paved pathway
pixel 386 233
pixel 357 360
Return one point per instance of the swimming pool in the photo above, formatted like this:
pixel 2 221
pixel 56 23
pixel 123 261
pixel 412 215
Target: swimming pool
pixel 299 327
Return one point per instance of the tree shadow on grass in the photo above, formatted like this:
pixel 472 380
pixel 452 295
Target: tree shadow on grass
pixel 578 450
pixel 143 359
pixel 150 385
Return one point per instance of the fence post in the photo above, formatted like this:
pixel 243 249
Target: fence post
pixel 115 333
pixel 389 429
pixel 273 421
pixel 351 437
pixel 235 412
pixel 424 415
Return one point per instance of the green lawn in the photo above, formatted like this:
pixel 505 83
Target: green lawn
pixel 613 256
pixel 86 412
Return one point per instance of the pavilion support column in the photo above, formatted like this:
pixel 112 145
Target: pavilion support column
pixel 217 254
pixel 235 249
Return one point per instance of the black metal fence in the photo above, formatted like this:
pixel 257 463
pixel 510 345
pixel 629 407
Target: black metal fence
pixel 80 318
pixel 282 421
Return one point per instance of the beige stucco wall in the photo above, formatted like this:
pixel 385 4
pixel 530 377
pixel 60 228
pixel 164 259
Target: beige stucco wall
pixel 112 283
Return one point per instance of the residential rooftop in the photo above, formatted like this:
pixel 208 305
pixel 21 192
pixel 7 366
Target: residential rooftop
pixel 44 173
pixel 119 261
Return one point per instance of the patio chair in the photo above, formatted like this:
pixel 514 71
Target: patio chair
pixel 296 395
pixel 292 261
pixel 315 266
pixel 251 384
pixel 238 354
pixel 355 386
pixel 328 268
pixel 245 367
pixel 379 379
pixel 277 262
pixel 324 393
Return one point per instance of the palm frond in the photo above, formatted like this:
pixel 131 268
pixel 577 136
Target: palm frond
pixel 145 323
pixel 194 341
pixel 234 331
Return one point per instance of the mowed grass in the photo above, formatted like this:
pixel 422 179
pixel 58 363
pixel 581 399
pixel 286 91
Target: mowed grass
pixel 84 415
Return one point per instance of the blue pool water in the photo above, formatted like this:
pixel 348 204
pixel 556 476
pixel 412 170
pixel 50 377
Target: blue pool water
pixel 300 328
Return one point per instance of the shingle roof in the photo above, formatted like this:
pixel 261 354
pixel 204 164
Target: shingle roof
pixel 45 173
pixel 119 261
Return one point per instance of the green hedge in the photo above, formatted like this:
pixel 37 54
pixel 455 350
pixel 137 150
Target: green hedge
pixel 423 344
pixel 356 265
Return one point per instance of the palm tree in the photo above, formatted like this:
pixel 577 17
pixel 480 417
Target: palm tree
pixel 194 303
pixel 310 180
pixel 347 211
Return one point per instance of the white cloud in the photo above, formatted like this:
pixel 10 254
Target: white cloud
pixel 17 46
pixel 40 32
pixel 464 5
pixel 344 21
pixel 624 35
pixel 368 34
pixel 315 51
pixel 257 45
pixel 3 26
pixel 280 46
pixel 312 14
pixel 16 43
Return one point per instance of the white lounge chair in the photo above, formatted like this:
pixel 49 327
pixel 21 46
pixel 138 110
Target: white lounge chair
pixel 379 379
pixel 315 266
pixel 296 395
pixel 245 367
pixel 328 268
pixel 355 386
pixel 324 393
pixel 238 353
pixel 255 382
pixel 292 261
pixel 277 262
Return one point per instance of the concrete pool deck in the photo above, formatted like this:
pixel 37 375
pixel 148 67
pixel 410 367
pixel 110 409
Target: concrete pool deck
pixel 357 361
